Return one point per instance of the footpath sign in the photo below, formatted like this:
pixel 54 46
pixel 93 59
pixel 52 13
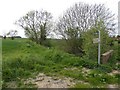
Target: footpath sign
pixel 96 40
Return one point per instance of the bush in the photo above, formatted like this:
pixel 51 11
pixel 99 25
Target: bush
pixel 94 81
pixel 46 43
pixel 79 63
pixel 21 67
pixel 86 62
pixel 90 64
pixel 39 67
pixel 90 48
pixel 74 46
pixel 105 68
pixel 117 76
pixel 57 58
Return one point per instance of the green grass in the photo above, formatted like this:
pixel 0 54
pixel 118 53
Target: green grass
pixel 23 59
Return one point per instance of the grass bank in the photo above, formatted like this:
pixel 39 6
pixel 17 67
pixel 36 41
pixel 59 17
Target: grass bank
pixel 23 59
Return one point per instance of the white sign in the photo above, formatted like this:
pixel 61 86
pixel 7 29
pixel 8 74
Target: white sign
pixel 96 40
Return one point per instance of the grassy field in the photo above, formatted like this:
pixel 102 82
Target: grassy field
pixel 22 59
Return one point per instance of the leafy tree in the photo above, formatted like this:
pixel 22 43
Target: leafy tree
pixel 90 48
pixel 37 25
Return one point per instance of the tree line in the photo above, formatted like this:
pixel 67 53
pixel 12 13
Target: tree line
pixel 76 26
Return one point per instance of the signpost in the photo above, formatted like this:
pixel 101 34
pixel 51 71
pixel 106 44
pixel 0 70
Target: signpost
pixel 99 48
pixel 97 40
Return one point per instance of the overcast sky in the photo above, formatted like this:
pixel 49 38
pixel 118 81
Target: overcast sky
pixel 12 10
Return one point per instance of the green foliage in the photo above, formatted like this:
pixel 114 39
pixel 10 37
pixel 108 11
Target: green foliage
pixel 90 64
pixel 32 59
pixel 37 28
pixel 73 42
pixel 46 43
pixel 74 46
pixel 105 68
pixel 73 74
pixel 117 76
pixel 97 77
pixel 90 48
pixel 51 61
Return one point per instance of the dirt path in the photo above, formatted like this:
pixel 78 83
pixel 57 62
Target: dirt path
pixel 43 81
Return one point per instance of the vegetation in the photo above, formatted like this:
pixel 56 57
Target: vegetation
pixel 37 25
pixel 30 59
pixel 105 41
pixel 79 19
pixel 73 56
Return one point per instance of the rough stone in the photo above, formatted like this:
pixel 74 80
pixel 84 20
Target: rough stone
pixel 106 56
pixel 43 81
pixel 39 79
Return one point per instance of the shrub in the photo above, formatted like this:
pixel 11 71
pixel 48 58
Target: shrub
pixel 90 64
pixel 39 67
pixel 79 63
pixel 57 58
pixel 91 48
pixel 105 68
pixel 46 43
pixel 117 76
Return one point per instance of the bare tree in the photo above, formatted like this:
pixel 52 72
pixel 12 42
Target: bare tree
pixel 37 25
pixel 81 17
